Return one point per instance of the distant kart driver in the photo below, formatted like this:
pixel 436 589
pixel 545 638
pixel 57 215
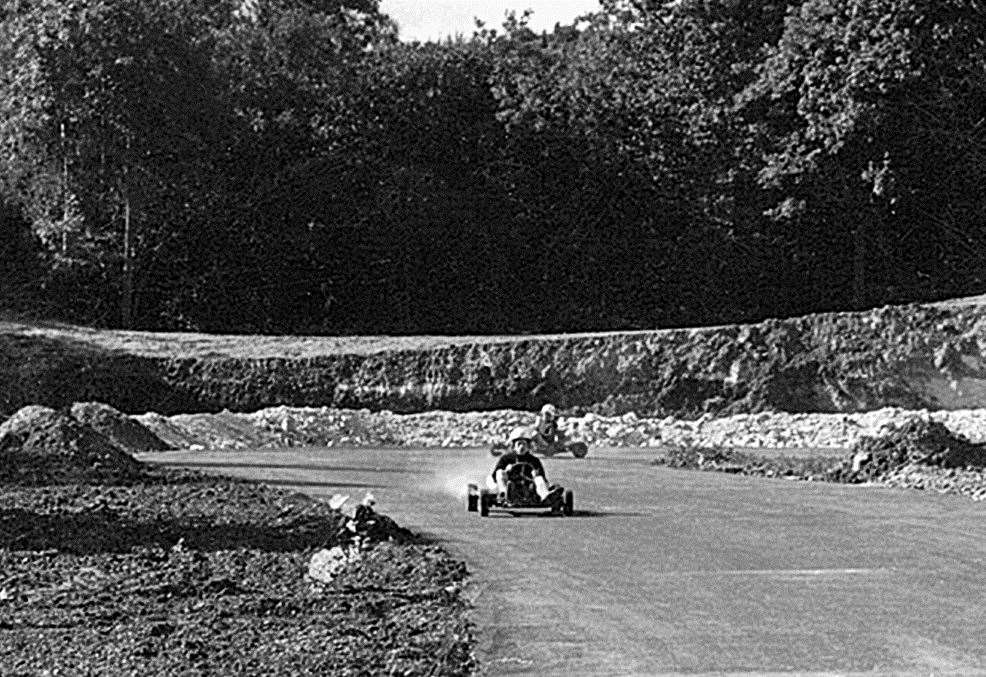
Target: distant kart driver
pixel 547 435
pixel 521 442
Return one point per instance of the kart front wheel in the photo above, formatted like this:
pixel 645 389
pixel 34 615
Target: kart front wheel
pixel 569 508
pixel 472 498
pixel 484 505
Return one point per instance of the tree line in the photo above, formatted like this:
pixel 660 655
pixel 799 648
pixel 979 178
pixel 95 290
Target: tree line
pixel 291 166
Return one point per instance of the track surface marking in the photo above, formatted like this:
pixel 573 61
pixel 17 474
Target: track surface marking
pixel 666 571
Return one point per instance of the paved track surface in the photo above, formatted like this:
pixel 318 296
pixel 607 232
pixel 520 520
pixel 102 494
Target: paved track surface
pixel 666 571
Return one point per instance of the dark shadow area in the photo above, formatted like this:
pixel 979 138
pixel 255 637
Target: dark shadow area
pixel 282 466
pixel 574 515
pixel 430 538
pixel 97 531
pixel 595 513
pixel 102 531
pixel 58 372
pixel 310 483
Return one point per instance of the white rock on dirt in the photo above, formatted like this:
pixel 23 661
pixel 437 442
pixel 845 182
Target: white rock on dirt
pixel 326 564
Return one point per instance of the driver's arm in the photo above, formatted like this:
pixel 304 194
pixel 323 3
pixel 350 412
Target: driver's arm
pixel 500 468
pixel 501 482
pixel 537 466
pixel 504 461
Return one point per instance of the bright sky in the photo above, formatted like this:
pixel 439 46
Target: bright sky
pixel 436 19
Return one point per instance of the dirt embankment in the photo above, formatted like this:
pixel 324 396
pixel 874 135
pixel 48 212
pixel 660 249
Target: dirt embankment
pixel 913 357
pixel 110 566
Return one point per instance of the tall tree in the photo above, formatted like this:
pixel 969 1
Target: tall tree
pixel 853 98
pixel 123 123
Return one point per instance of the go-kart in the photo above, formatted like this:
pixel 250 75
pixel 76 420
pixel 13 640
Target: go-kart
pixel 577 449
pixel 520 496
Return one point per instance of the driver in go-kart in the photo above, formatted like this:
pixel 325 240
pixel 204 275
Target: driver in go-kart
pixel 521 441
pixel 546 432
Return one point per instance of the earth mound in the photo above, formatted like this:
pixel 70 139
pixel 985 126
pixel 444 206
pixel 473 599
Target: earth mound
pixel 916 442
pixel 24 419
pixel 39 446
pixel 916 454
pixel 119 428
pixel 723 459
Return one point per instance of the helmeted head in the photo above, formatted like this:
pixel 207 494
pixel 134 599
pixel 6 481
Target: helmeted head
pixel 520 439
pixel 549 412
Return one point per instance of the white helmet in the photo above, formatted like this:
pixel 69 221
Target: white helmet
pixel 520 433
pixel 549 410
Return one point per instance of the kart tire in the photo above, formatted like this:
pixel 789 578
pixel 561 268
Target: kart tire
pixel 472 498
pixel 578 449
pixel 484 505
pixel 569 508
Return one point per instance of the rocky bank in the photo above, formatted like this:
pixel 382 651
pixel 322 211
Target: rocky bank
pixel 324 426
pixel 913 357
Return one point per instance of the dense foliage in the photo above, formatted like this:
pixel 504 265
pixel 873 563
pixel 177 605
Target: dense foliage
pixel 291 166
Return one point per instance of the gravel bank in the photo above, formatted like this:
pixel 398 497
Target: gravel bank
pixel 285 426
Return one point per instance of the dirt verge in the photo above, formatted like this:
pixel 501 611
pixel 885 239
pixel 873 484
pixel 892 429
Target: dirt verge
pixel 915 454
pixel 184 574
pixel 111 567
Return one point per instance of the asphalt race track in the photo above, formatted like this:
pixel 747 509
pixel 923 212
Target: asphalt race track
pixel 664 571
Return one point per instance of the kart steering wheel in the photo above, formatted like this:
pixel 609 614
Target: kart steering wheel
pixel 520 470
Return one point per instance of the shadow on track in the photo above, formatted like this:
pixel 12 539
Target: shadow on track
pixel 266 466
pixel 287 482
pixel 574 515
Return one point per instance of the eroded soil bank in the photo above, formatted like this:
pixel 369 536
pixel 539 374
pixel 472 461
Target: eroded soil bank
pixel 915 357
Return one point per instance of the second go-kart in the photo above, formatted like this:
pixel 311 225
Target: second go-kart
pixel 577 449
pixel 521 496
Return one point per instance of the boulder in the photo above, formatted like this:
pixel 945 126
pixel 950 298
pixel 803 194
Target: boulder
pixel 326 564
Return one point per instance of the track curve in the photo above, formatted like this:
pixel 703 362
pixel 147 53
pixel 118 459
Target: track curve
pixel 664 571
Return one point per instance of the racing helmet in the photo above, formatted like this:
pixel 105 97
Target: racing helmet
pixel 549 411
pixel 520 433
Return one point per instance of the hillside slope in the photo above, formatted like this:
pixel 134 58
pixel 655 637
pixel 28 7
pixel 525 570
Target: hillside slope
pixel 931 356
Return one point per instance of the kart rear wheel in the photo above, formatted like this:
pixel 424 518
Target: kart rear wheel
pixel 569 508
pixel 484 505
pixel 472 498
pixel 579 449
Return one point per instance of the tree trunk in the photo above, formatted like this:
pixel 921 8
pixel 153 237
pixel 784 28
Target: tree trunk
pixel 126 302
pixel 65 209
pixel 859 266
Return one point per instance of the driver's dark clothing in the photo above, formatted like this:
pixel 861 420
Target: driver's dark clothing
pixel 548 430
pixel 512 457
